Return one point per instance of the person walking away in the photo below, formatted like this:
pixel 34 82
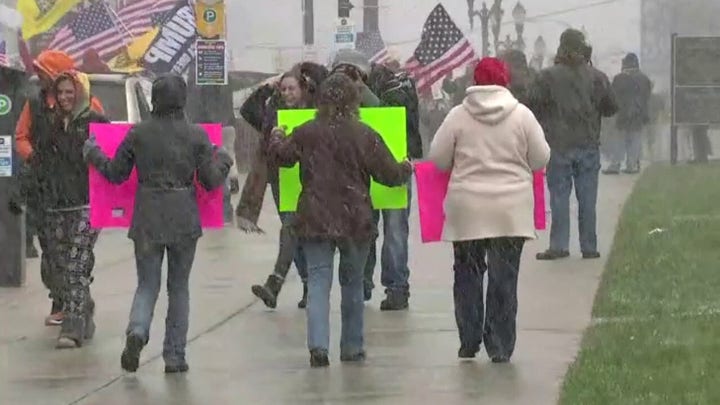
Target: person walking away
pixel 357 67
pixel 701 145
pixel 633 90
pixel 297 90
pixel 70 240
pixel 395 90
pixel 168 153
pixel 36 122
pixel 520 74
pixel 570 100
pixel 491 144
pixel 338 156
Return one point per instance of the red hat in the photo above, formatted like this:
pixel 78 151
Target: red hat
pixel 492 71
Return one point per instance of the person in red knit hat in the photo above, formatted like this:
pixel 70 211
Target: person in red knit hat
pixel 491 143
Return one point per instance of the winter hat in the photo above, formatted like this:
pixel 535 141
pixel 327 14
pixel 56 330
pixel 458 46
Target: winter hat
pixel 52 63
pixel 492 71
pixel 573 40
pixel 630 61
pixel 169 94
pixel 353 58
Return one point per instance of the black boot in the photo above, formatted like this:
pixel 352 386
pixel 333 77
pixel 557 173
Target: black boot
pixel 130 359
pixel 395 301
pixel 303 302
pixel 319 358
pixel 268 292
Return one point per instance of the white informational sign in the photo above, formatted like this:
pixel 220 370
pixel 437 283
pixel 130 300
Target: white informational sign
pixel 6 163
pixel 345 34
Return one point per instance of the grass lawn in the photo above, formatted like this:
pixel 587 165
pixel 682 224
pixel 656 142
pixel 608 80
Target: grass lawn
pixel 656 335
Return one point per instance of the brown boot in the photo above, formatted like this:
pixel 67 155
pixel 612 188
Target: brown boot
pixel 268 292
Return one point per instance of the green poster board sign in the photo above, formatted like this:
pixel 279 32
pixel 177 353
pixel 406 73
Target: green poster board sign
pixel 389 122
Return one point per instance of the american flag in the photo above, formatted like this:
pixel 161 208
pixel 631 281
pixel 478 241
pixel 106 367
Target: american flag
pixel 372 45
pixel 141 16
pixel 3 54
pixel 97 28
pixel 442 49
pixel 93 27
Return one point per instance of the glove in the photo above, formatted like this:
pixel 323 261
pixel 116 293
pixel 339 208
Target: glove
pixel 234 185
pixel 89 147
pixel 223 156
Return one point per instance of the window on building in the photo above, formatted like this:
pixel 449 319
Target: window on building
pixel 308 22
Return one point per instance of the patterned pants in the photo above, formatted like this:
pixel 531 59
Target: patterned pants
pixel 70 259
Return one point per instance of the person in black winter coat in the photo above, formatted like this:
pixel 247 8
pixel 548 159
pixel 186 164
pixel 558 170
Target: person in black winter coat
pixel 168 153
pixel 394 90
pixel 570 99
pixel 60 169
pixel 633 90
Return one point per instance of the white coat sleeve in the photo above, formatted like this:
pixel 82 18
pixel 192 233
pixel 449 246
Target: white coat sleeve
pixel 442 148
pixel 538 153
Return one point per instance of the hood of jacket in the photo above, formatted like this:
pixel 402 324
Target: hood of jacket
pixel 169 95
pixel 489 104
pixel 82 90
pixel 52 63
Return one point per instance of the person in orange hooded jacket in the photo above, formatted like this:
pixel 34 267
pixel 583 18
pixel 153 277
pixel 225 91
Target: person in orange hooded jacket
pixel 34 123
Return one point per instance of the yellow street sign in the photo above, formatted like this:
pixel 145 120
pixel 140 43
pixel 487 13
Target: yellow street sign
pixel 210 18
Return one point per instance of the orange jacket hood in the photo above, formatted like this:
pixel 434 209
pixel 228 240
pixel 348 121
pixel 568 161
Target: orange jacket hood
pixel 54 62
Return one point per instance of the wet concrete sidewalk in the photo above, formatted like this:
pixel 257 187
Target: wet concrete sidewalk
pixel 242 353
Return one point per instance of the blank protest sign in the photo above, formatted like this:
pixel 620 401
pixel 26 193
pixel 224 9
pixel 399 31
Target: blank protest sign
pixel 389 122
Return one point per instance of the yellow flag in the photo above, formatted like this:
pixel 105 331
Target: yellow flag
pixel 127 60
pixel 41 15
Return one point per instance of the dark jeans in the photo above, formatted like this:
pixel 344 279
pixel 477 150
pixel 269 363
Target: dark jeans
pixel 494 322
pixel 321 255
pixel 627 146
pixel 290 250
pixel 395 273
pixel 578 167
pixel 148 259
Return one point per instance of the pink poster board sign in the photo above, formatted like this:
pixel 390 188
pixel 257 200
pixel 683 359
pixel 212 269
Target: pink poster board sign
pixel 432 185
pixel 111 206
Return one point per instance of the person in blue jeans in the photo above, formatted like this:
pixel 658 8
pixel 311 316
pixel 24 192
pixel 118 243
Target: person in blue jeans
pixel 570 99
pixel 168 153
pixel 338 156
pixel 632 90
pixel 395 90
pixel 296 90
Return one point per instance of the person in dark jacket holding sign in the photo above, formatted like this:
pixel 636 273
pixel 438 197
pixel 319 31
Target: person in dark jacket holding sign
pixel 168 153
pixel 395 90
pixel 338 156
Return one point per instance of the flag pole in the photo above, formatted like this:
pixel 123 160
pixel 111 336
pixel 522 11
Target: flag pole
pixel 119 22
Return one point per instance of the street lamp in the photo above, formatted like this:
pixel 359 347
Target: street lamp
pixel 484 15
pixel 344 7
pixel 519 15
pixel 496 13
pixel 539 50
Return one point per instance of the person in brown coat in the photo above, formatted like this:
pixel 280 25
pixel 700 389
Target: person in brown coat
pixel 338 156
